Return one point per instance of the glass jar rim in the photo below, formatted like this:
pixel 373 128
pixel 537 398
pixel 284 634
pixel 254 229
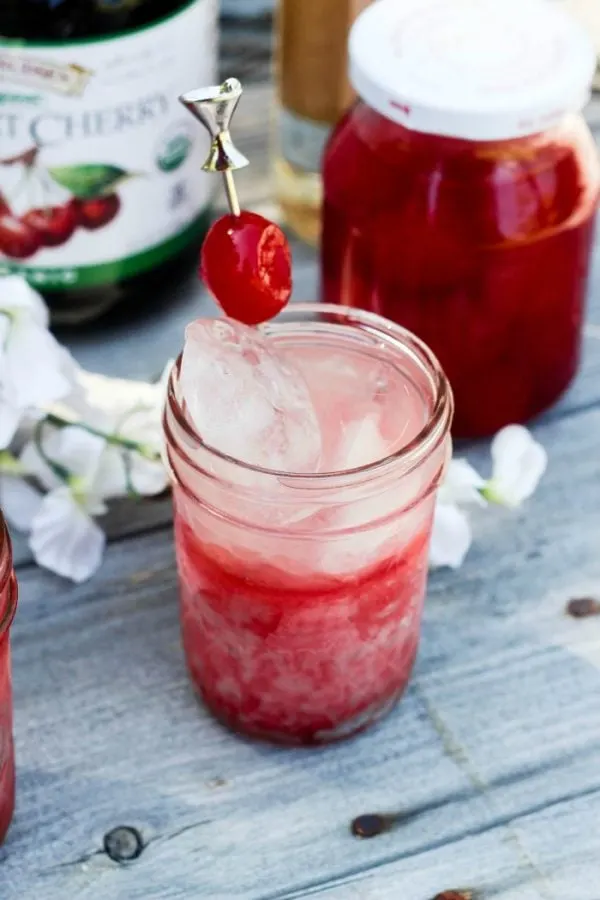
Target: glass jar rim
pixel 407 456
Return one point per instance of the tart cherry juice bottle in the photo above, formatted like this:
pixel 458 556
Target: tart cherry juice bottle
pixel 102 199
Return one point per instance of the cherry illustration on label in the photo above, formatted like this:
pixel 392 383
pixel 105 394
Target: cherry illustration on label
pixel 77 196
pixel 96 212
pixel 54 224
pixel 18 240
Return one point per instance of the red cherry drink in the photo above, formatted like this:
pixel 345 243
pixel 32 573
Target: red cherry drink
pixel 8 603
pixel 302 520
pixel 460 194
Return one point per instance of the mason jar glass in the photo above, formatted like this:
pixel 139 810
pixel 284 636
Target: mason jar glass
pixel 460 195
pixel 301 595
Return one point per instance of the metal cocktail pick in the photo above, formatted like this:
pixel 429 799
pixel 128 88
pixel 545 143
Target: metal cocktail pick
pixel 214 107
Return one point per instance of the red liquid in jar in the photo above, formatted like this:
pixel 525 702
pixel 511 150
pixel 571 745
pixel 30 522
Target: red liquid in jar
pixel 7 753
pixel 481 249
pixel 8 601
pixel 292 659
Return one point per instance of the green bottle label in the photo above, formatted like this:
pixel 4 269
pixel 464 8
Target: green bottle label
pixel 100 166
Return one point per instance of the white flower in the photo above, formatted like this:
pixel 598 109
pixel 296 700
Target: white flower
pixel 110 449
pixel 34 368
pixel 518 463
pixel 130 411
pixel 55 456
pixel 64 537
pixel 451 536
pixel 462 484
pixel 19 500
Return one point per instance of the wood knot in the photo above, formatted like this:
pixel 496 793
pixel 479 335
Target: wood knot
pixel 123 844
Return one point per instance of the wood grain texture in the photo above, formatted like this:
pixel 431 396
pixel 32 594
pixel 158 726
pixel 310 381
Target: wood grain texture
pixel 493 755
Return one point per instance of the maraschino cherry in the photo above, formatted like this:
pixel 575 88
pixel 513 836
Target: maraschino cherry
pixel 246 265
pixel 245 260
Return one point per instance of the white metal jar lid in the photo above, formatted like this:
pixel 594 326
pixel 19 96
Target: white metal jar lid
pixel 476 69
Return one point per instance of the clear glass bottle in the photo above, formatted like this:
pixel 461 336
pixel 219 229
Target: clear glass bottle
pixel 301 595
pixel 102 197
pixel 313 93
pixel 8 605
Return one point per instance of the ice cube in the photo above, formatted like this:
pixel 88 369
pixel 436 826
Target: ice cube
pixel 378 521
pixel 247 401
pixel 361 443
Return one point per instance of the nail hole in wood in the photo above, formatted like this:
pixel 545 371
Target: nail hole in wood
pixel 123 844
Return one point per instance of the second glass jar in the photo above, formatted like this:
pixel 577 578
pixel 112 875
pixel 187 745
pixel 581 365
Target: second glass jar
pixel 479 245
pixel 8 605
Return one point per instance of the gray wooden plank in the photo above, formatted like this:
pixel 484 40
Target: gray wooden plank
pixel 141 752
pixel 500 730
pixel 520 861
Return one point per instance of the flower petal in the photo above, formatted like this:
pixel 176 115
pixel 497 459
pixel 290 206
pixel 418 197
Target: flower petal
pixel 33 367
pixel 71 447
pixel 123 472
pixel 148 478
pixel 64 539
pixel 518 463
pixel 5 326
pixel 103 402
pixel 461 484
pixel 451 536
pixel 19 298
pixel 10 417
pixel 19 501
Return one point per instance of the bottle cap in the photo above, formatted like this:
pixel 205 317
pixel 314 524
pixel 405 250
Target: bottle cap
pixel 475 69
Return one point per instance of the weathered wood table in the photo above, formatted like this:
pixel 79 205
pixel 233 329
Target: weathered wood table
pixel 491 762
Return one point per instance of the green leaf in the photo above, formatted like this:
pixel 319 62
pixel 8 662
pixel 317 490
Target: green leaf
pixel 88 180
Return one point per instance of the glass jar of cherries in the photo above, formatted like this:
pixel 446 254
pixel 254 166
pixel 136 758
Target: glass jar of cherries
pixel 8 605
pixel 460 194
